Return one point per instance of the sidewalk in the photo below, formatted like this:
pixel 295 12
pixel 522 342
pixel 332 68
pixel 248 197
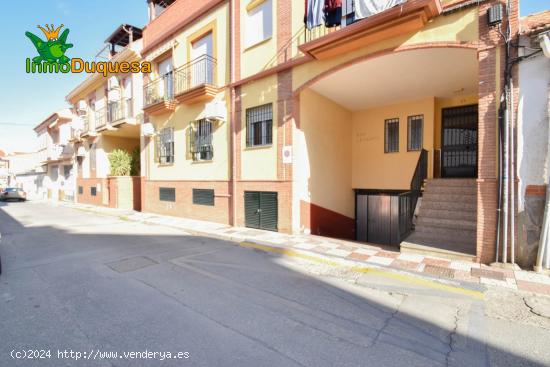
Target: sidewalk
pixel 351 253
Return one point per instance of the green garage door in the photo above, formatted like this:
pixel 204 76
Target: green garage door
pixel 261 210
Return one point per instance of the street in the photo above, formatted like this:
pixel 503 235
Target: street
pixel 91 284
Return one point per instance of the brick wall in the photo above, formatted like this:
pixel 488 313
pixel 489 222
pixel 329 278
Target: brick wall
pixel 183 206
pixel 86 196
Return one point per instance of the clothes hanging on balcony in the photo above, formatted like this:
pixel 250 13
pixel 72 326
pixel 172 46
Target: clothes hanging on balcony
pixel 315 13
pixel 366 8
pixel 333 13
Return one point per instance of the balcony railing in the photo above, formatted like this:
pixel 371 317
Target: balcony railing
pixel 159 90
pixel 119 110
pixel 200 71
pixel 88 125
pixel 101 118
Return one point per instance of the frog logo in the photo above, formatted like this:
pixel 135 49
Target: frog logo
pixel 53 50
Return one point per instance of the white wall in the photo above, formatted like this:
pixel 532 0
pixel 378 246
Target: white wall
pixel 533 122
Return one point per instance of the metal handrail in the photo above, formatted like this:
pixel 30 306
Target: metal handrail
pixel 159 90
pixel 200 71
pixel 100 118
pixel 120 109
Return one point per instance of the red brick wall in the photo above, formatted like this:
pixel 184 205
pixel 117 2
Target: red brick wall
pixel 489 74
pixel 284 197
pixel 183 206
pixel 86 197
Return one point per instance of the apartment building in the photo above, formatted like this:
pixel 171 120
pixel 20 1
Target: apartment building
pixel 55 156
pixel 109 114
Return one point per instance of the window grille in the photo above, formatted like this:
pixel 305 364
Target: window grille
pixel 200 140
pixel 391 136
pixel 203 197
pixel 259 126
pixel 414 134
pixel 165 146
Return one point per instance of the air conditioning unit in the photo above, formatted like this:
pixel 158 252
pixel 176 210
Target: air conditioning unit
pixel 113 83
pixel 81 152
pixel 215 111
pixel 147 129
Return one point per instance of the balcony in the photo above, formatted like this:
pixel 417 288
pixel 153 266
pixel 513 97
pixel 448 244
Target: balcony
pixel 192 83
pixel 159 95
pixel 89 126
pixel 323 43
pixel 196 81
pixel 114 114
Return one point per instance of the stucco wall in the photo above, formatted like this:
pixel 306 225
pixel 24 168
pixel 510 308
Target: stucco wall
pixel 374 169
pixel 323 154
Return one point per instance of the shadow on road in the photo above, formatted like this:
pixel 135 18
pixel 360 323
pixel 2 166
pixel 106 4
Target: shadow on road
pixel 68 287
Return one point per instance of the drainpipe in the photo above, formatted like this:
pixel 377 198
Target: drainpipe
pixel 512 178
pixel 232 129
pixel 505 179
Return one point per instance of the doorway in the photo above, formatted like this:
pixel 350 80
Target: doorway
pixel 459 141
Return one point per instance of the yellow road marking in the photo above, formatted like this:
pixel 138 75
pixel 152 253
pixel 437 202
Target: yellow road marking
pixel 366 270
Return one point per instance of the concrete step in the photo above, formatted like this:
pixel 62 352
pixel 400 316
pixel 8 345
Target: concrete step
pixel 470 206
pixel 447 214
pixel 445 197
pixel 449 249
pixel 451 190
pixel 449 182
pixel 446 233
pixel 453 223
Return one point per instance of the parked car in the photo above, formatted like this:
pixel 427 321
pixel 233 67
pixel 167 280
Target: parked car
pixel 13 193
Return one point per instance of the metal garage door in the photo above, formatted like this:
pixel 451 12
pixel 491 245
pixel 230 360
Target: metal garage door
pixel 261 210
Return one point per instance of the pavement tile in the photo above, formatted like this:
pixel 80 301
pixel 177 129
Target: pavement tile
pixel 532 277
pixel 465 276
pixel 496 282
pixel 485 273
pixel 391 255
pixel 321 249
pixel 366 251
pixel 358 256
pixel 381 260
pixel 411 257
pixel 404 264
pixel 439 271
pixel 346 248
pixel 305 246
pixel 461 265
pixel 533 287
pixel 338 252
pixel 436 262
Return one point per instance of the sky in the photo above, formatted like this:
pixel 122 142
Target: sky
pixel 27 99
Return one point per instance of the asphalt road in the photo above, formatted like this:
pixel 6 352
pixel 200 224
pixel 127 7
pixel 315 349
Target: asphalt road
pixel 76 286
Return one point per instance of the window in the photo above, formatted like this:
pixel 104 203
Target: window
pixel 80 190
pixel 165 146
pixel 200 140
pixel 93 191
pixel 167 194
pixel 414 132
pixel 391 136
pixel 258 22
pixel 67 171
pixel 203 197
pixel 93 157
pixel 54 173
pixel 259 126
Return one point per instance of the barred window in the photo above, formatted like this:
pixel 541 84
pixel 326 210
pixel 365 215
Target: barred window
pixel 200 140
pixel 203 197
pixel 259 126
pixel 414 132
pixel 165 146
pixel 391 136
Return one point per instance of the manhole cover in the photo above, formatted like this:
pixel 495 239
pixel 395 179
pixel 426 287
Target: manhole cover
pixel 487 274
pixel 131 264
pixel 439 271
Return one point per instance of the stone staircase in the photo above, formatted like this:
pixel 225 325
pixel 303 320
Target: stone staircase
pixel 447 220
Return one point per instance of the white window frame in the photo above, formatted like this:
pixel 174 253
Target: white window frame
pixel 258 24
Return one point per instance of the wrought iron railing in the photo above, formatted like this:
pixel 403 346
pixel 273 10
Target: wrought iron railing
pixel 100 118
pixel 159 90
pixel 87 124
pixel 201 71
pixel 409 199
pixel 119 110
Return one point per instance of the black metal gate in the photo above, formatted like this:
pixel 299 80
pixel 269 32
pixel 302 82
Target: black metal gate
pixel 261 210
pixel 459 142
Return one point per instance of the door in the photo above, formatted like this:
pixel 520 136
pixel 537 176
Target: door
pixel 459 142
pixel 377 218
pixel 166 74
pixel 261 210
pixel 202 69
